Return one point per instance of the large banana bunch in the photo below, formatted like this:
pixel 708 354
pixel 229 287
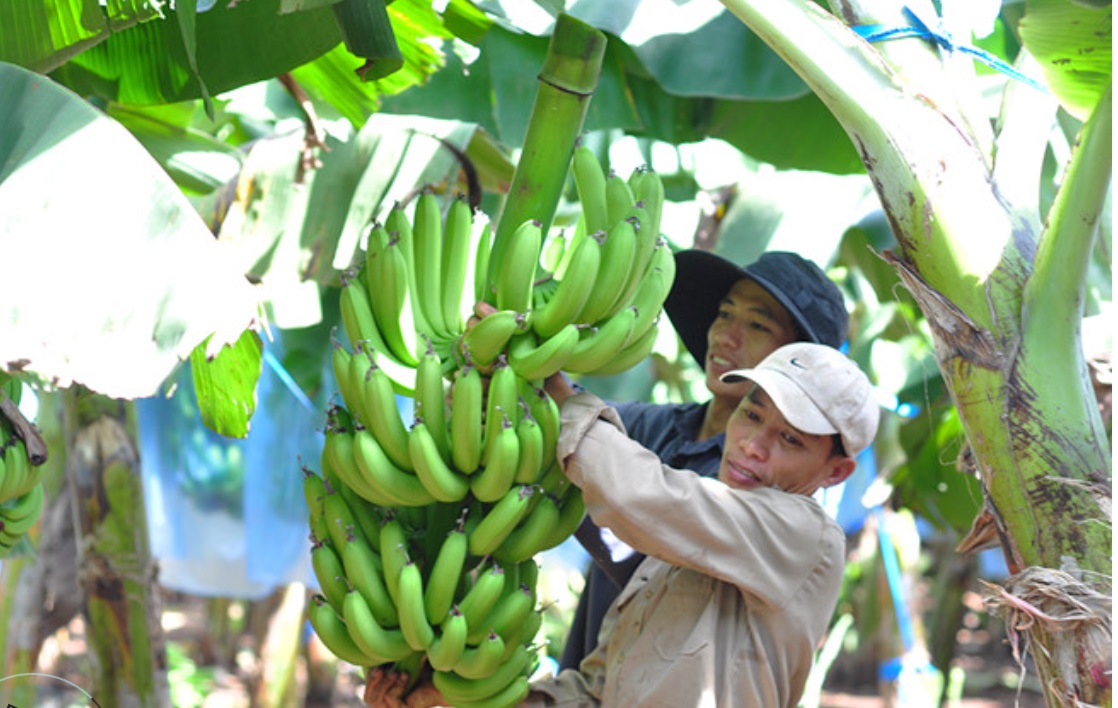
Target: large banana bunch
pixel 424 532
pixel 21 491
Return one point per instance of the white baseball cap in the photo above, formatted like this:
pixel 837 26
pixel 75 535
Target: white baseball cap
pixel 820 391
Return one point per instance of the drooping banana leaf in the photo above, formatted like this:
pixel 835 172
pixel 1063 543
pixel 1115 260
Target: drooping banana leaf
pixel 112 278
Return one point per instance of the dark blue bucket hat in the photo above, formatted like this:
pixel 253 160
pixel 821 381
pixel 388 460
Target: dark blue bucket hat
pixel 702 280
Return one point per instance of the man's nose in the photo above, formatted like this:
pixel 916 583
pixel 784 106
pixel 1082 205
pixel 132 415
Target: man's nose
pixel 757 445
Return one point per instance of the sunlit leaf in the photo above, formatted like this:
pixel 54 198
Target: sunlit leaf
pixel 225 384
pixel 42 34
pixel 235 44
pixel 1073 44
pixel 112 278
pixel 198 162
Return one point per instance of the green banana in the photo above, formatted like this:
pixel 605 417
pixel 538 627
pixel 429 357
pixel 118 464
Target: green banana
pixel 17 520
pixel 466 418
pixel 19 476
pixel 574 290
pixel 385 645
pixel 517 272
pixel 380 470
pixel 456 261
pixel 511 695
pixel 338 459
pixel 383 417
pixel 314 492
pixel 447 648
pixel 363 570
pixel 339 517
pixel 439 479
pixel 619 198
pixel 386 281
pixel 648 189
pixel 599 345
pixel 501 400
pixel 330 572
pixel 496 476
pixel 341 361
pixel 427 229
pixel 399 227
pixel 460 690
pixel 546 413
pixel 634 353
pixel 500 520
pixel 481 263
pixel 618 251
pixel 506 617
pixel 572 510
pixel 414 623
pixel 485 340
pixel 483 595
pixel 446 571
pixel 554 248
pixel 481 660
pixel 537 358
pixel 357 315
pixel 527 539
pixel 393 555
pixel 530 450
pixel 654 288
pixel 332 632
pixel 430 398
pixel 590 183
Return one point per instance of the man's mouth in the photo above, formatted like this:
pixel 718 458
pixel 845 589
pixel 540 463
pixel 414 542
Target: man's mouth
pixel 722 363
pixel 743 476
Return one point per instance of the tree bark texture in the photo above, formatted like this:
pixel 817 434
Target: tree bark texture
pixel 117 573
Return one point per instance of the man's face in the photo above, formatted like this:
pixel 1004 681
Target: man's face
pixel 764 450
pixel 749 326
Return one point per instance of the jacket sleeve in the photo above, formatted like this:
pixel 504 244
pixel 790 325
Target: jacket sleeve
pixel 766 542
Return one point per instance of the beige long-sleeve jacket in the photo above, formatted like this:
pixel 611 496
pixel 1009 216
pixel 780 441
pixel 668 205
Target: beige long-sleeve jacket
pixel 736 593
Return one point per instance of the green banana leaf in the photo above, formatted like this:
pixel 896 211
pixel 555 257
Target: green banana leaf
pixel 43 34
pixel 225 384
pixel 1073 43
pixel 113 279
pixel 290 237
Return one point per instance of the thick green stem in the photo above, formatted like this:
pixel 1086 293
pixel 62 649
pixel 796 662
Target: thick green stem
pixel 1058 284
pixel 567 82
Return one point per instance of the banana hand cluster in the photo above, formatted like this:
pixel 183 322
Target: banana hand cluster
pixel 448 584
pixel 596 313
pixel 21 491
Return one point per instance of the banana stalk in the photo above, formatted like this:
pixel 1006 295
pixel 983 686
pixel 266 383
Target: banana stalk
pixel 567 82
pixel 1002 306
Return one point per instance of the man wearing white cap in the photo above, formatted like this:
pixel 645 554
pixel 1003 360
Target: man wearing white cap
pixel 743 571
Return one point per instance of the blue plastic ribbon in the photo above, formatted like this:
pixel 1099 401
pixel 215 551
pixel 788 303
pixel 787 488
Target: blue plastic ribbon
pixel 942 38
pixel 288 381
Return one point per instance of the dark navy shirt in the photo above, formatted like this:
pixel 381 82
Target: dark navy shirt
pixel 669 430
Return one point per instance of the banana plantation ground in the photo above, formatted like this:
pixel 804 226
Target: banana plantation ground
pixel 215 665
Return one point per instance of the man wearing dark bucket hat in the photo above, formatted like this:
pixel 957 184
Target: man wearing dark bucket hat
pixel 742 571
pixel 729 317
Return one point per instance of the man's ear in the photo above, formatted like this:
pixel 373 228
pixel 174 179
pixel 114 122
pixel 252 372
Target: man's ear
pixel 841 468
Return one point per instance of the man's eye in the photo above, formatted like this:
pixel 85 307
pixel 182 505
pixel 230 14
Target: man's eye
pixel 793 440
pixel 759 327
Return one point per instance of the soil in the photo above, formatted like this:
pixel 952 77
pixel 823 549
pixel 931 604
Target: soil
pixel 227 669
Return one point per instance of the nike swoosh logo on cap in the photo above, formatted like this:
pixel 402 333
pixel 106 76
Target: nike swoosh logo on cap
pixel 796 363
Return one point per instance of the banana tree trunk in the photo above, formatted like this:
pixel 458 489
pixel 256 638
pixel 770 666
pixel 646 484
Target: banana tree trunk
pixel 1003 308
pixel 118 574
